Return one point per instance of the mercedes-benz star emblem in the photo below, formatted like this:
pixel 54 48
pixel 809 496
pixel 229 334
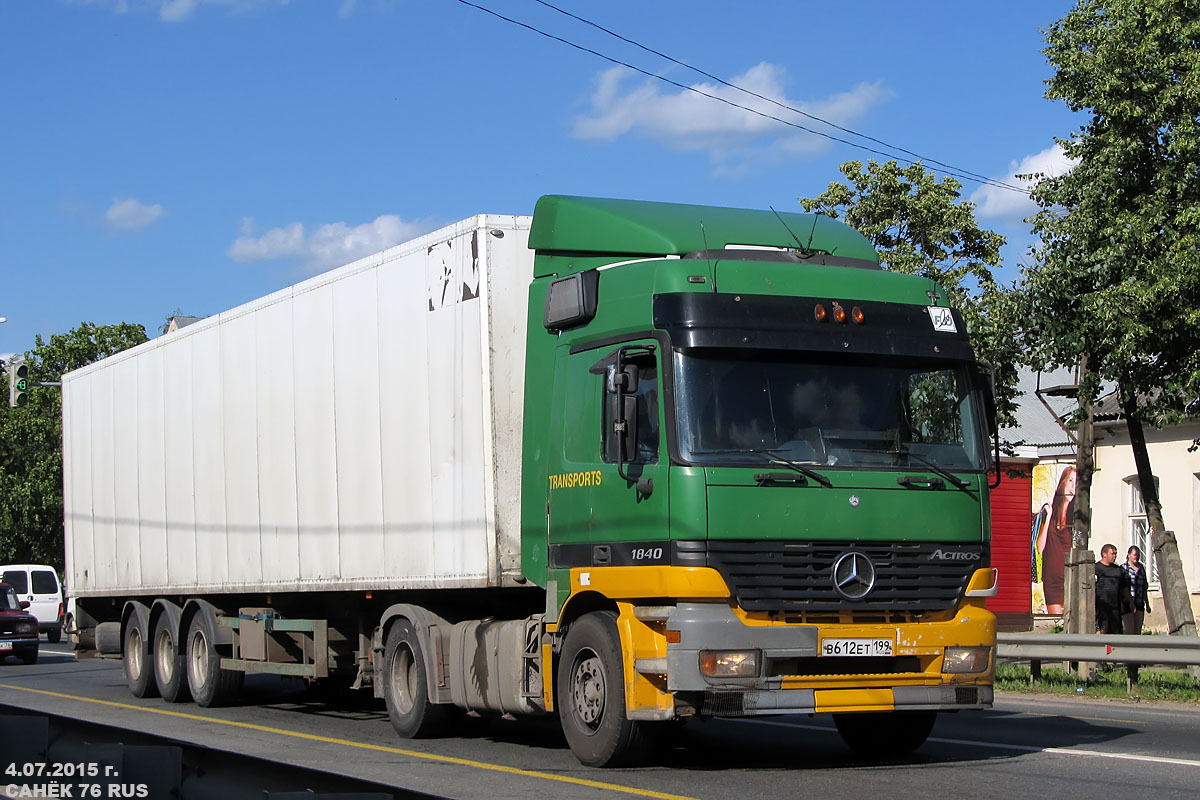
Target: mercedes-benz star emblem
pixel 853 575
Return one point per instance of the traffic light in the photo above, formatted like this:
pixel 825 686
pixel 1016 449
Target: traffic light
pixel 18 385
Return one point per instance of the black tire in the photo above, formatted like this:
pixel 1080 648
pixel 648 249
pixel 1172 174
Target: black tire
pixel 406 688
pixel 54 635
pixel 30 657
pixel 170 668
pixel 139 675
pixel 210 686
pixel 885 733
pixel 590 696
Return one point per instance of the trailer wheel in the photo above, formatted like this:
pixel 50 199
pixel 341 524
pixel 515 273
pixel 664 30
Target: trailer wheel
pixel 885 733
pixel 591 696
pixel 405 687
pixel 138 674
pixel 170 671
pixel 209 684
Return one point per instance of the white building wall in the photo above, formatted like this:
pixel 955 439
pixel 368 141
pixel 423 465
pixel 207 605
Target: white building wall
pixel 1178 473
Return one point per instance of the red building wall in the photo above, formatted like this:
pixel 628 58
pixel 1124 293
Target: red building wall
pixel 1011 519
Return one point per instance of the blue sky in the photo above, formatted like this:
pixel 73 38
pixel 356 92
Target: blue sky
pixel 163 155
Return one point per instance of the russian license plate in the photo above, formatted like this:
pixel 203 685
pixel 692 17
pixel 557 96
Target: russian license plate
pixel 856 647
pixel 5 645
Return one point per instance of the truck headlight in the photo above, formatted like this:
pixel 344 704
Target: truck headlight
pixel 729 663
pixel 25 627
pixel 967 659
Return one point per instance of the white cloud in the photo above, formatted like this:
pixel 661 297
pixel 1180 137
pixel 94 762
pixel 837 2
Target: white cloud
pixel 129 214
pixel 176 10
pixel 735 139
pixel 327 245
pixel 994 202
pixel 180 10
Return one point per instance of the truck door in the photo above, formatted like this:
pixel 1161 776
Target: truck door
pixel 607 506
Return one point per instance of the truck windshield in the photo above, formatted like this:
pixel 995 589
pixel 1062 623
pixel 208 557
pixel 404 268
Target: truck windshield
pixel 732 406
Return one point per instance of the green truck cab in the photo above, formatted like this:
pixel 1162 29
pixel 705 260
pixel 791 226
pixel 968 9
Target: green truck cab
pixel 755 477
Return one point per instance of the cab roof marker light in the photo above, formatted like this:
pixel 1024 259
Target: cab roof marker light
pixel 839 313
pixel 857 314
pixel 820 313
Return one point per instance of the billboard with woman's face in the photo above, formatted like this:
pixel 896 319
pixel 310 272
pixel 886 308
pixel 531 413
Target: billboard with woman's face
pixel 1050 534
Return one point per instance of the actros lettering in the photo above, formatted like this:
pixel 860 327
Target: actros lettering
pixel 954 555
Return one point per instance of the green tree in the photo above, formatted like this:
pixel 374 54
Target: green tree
pixel 922 226
pixel 31 477
pixel 1116 282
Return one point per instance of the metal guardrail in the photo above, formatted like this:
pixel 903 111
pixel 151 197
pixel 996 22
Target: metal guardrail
pixel 1112 648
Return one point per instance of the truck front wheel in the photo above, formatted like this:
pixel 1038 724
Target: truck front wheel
pixel 591 696
pixel 885 733
pixel 209 684
pixel 138 674
pixel 405 687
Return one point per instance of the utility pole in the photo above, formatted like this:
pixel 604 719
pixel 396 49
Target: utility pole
pixel 1081 570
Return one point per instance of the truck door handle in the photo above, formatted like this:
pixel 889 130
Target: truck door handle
pixel 921 481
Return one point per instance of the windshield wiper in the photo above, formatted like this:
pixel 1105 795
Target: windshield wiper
pixel 773 457
pixel 954 479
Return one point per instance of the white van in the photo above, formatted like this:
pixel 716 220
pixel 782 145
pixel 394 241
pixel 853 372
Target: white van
pixel 39 584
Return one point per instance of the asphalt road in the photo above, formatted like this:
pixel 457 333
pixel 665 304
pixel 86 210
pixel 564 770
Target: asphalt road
pixel 1026 746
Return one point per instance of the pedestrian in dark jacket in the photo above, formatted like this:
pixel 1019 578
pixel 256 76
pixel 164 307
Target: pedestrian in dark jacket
pixel 1112 591
pixel 1139 591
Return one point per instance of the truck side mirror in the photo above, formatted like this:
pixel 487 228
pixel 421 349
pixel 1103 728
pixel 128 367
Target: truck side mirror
pixel 985 378
pixel 623 382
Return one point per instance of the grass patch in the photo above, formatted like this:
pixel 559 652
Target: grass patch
pixel 1154 683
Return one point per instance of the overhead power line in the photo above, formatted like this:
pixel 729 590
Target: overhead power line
pixel 773 101
pixel 956 172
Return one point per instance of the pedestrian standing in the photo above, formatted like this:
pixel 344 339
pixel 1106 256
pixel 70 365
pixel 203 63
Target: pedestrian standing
pixel 1139 596
pixel 1112 590
pixel 1139 591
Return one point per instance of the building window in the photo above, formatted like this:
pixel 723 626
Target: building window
pixel 1137 525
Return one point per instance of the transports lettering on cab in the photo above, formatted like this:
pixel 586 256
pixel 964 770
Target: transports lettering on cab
pixel 571 480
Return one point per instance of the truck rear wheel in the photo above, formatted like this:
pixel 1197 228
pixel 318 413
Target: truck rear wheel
pixel 209 684
pixel 885 733
pixel 591 696
pixel 138 675
pixel 170 671
pixel 405 687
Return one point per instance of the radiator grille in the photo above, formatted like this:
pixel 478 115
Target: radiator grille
pixel 797 577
